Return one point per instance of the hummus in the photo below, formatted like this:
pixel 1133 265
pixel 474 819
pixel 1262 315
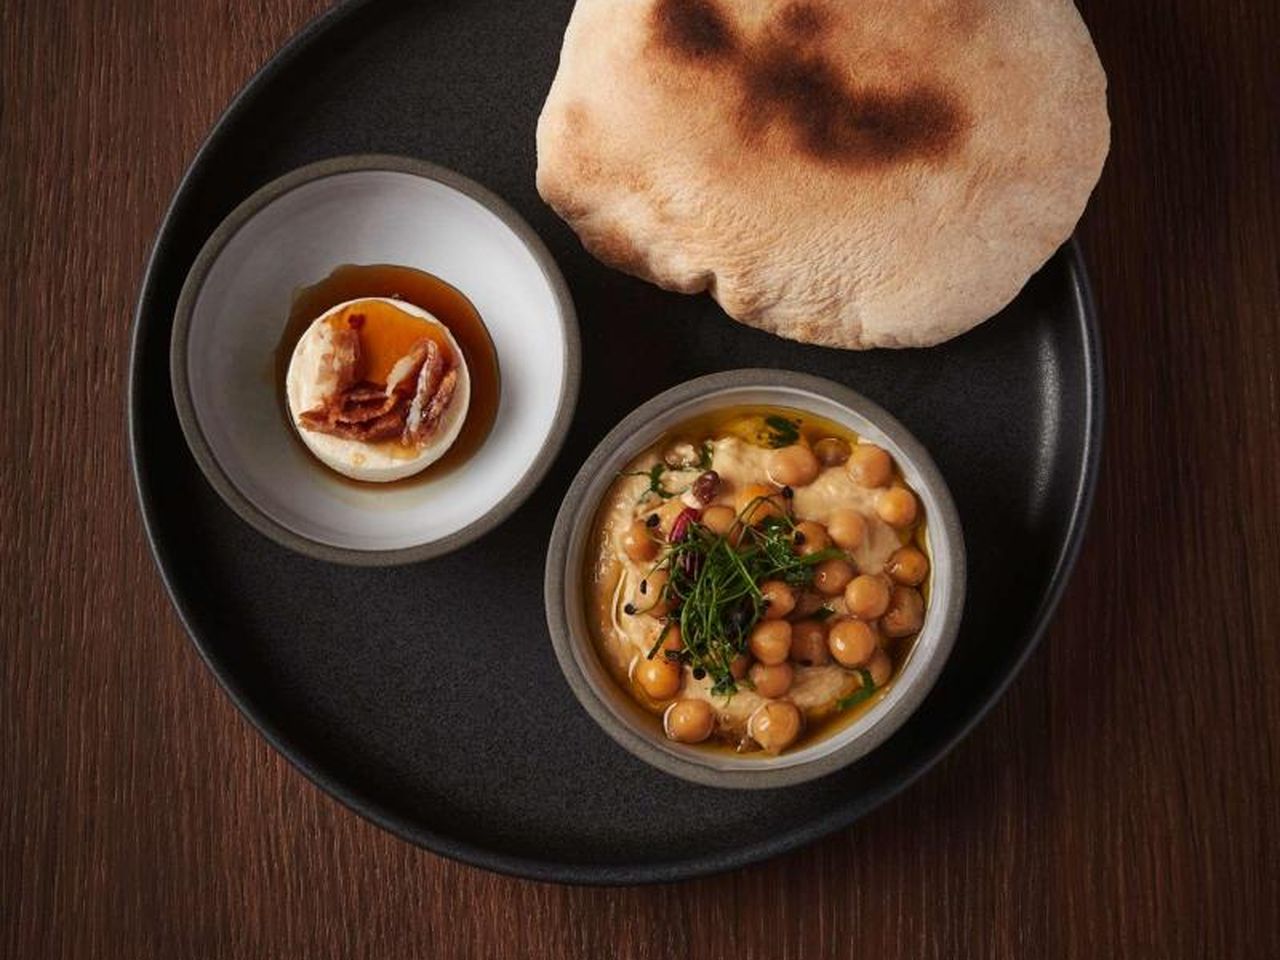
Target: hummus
pixel 660 486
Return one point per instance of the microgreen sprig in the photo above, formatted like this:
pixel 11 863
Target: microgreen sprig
pixel 654 475
pixel 862 694
pixel 782 432
pixel 713 587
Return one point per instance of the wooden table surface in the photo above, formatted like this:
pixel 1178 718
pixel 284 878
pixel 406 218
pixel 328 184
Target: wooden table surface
pixel 1120 801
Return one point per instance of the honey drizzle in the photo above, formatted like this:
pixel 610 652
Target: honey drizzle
pixel 439 298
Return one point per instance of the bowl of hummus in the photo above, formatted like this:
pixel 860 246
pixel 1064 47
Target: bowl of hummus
pixel 755 579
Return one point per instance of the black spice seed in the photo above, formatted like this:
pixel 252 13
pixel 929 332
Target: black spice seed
pixel 788 492
pixel 629 609
pixel 698 673
pixel 644 586
pixel 652 521
pixel 799 539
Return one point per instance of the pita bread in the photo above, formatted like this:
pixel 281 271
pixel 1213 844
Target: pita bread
pixel 880 173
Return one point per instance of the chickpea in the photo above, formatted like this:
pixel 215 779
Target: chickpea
pixel 770 641
pixel 811 538
pixel 867 597
pixel 680 455
pixel 740 666
pixel 880 667
pixel 667 514
pixel 852 642
pixel 719 520
pixel 775 726
pixel 847 528
pixel 772 680
pixel 831 451
pixel 809 643
pixel 908 566
pixel 807 604
pixel 672 639
pixel 897 507
pixel 870 466
pixel 637 544
pixel 752 508
pixel 652 597
pixel 793 466
pixel 659 679
pixel 780 598
pixel 689 721
pixel 831 576
pixel 905 615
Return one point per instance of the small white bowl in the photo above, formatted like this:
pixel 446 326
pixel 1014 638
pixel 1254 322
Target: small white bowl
pixel 294 232
pixel 615 710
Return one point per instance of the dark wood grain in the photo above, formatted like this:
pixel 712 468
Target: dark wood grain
pixel 1120 801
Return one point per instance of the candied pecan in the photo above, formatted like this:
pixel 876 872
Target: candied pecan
pixel 382 428
pixel 340 363
pixel 365 392
pixel 443 397
pixel 405 372
pixel 417 393
pixel 418 425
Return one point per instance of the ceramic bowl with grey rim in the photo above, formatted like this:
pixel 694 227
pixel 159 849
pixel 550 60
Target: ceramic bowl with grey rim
pixel 566 601
pixel 231 315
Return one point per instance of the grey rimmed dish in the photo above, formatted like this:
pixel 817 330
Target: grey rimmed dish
pixel 293 232
pixel 566 602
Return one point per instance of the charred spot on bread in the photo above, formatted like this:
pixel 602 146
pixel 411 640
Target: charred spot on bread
pixel 835 124
pixel 694 29
pixel 803 20
pixel 784 83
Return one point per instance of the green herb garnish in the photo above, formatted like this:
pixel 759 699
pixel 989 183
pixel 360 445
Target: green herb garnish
pixel 657 644
pixel 715 580
pixel 654 474
pixel 860 695
pixel 705 455
pixel 782 432
pixel 822 613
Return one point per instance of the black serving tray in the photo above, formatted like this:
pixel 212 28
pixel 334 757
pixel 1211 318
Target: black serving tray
pixel 410 694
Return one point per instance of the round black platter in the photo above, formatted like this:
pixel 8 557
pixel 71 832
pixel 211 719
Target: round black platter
pixel 414 697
